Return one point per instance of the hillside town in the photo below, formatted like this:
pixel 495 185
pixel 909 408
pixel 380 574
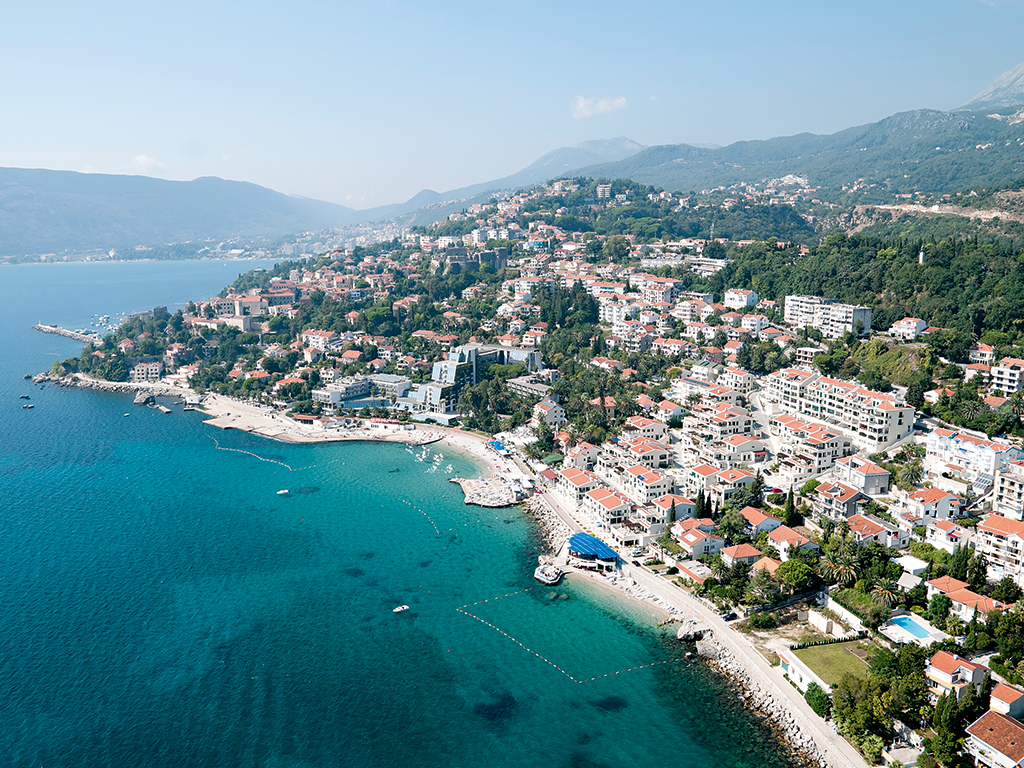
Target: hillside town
pixel 712 435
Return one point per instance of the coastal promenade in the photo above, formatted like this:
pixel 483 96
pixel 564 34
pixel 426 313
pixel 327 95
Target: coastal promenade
pixel 764 680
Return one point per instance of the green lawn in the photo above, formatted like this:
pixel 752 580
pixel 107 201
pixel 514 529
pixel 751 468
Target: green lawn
pixel 831 662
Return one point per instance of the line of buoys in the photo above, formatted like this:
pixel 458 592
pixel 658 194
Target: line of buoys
pixel 429 518
pixel 462 609
pixel 517 642
pixel 250 453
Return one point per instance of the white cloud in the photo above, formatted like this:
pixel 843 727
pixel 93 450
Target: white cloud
pixel 583 106
pixel 148 164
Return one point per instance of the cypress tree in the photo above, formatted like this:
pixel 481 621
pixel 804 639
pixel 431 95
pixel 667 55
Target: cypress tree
pixel 790 510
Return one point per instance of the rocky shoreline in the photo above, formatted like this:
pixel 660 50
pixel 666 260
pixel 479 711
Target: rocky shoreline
pixel 552 528
pixel 122 387
pixel 778 717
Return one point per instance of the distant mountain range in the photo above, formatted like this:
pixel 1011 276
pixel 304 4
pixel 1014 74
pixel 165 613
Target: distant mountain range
pixel 1007 91
pixel 924 150
pixel 980 145
pixel 44 211
pixel 51 211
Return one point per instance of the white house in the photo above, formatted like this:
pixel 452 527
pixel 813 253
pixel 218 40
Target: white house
pixel 908 329
pixel 550 413
pixel 996 740
pixel 737 298
pixel 971 454
pixel 950 675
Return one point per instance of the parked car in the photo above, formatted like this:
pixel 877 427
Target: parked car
pixel 730 616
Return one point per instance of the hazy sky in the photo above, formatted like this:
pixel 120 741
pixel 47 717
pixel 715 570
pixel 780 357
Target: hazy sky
pixel 365 103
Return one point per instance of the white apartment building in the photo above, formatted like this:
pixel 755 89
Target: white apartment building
pixel 645 485
pixel 147 372
pixel 606 505
pixel 612 312
pixel 717 421
pixel 1008 375
pixel 862 474
pixel 738 379
pixel 322 340
pixel 342 389
pixel 1001 541
pixel 737 298
pixel 971 455
pixel 832 319
pixel 549 412
pixel 873 420
pixel 1008 499
pixel 809 448
pixel 908 329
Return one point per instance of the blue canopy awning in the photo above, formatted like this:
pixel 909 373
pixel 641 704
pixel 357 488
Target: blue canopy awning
pixel 585 545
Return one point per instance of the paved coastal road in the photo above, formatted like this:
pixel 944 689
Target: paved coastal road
pixel 834 747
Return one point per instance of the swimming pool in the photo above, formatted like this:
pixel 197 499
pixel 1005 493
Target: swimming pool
pixel 909 624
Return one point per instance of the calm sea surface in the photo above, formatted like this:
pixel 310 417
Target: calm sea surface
pixel 163 606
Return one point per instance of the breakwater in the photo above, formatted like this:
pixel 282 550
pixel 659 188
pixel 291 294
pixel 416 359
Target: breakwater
pixel 123 387
pixel 756 696
pixel 553 529
pixel 85 338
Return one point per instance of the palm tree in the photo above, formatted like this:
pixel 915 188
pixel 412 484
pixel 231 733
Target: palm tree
pixel 911 475
pixel 840 570
pixel 843 531
pixel 1017 404
pixel 886 593
pixel 719 569
pixel 969 410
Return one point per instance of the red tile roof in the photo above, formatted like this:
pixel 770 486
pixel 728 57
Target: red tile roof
pixel 1002 733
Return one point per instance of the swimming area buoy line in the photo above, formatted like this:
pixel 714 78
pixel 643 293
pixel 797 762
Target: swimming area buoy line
pixel 462 609
pixel 254 455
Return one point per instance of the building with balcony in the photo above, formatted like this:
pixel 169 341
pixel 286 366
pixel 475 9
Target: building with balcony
pixel 950 675
pixel 873 420
pixel 995 740
pixel 1008 375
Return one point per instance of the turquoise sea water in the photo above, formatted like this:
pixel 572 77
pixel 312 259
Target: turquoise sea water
pixel 163 606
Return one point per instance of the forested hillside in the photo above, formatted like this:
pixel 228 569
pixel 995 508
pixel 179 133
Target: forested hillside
pixel 963 285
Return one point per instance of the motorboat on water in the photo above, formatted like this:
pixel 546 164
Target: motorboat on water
pixel 284 492
pixel 400 608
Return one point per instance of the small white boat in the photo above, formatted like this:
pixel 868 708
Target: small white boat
pixel 400 608
pixel 284 492
pixel 126 415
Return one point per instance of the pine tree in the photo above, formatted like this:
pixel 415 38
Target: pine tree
pixel 672 513
pixel 699 505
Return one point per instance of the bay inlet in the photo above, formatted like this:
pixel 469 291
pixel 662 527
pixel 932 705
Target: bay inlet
pixel 166 607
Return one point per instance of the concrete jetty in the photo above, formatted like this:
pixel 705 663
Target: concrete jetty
pixel 85 338
pixel 487 493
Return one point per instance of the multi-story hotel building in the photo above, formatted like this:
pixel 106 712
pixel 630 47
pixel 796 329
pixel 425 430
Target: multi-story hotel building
pixel 873 420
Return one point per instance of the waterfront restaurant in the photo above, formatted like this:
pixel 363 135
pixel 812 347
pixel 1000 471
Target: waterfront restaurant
pixel 586 551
